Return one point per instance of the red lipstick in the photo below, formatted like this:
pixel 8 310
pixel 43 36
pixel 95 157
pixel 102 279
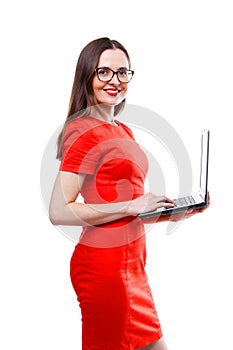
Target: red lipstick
pixel 112 91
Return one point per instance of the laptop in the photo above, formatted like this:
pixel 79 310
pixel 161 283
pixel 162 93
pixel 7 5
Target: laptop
pixel 196 200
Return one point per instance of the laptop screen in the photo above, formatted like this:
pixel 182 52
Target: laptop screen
pixel 204 163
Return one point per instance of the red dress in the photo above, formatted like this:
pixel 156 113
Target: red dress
pixel 107 266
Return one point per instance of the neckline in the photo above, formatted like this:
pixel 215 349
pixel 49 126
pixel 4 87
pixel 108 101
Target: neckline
pixel 116 122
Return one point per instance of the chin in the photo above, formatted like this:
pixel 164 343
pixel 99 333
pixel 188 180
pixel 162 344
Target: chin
pixel 111 101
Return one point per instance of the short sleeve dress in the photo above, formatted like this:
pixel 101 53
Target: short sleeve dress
pixel 108 264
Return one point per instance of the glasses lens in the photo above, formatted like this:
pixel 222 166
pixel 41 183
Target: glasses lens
pixel 104 74
pixel 124 75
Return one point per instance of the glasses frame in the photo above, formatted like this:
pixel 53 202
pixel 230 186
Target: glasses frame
pixel 113 73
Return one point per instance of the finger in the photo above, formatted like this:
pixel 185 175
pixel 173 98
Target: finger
pixel 165 199
pixel 165 204
pixel 169 200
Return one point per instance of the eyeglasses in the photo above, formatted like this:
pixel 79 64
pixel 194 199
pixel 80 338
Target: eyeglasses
pixel 106 74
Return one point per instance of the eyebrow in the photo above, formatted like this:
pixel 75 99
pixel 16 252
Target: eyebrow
pixel 113 69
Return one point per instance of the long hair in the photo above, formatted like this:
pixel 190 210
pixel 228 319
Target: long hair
pixel 82 95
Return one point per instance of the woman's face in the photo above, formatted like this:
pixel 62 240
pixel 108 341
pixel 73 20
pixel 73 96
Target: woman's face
pixel 113 92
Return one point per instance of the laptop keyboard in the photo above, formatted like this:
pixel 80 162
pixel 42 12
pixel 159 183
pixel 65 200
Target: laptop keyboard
pixel 184 201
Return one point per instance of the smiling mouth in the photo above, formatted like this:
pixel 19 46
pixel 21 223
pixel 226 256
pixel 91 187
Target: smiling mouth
pixel 112 92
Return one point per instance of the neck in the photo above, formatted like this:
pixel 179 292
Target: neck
pixel 103 112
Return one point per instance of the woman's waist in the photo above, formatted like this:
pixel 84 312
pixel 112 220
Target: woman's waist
pixel 113 234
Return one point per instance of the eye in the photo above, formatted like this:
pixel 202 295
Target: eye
pixel 123 72
pixel 103 72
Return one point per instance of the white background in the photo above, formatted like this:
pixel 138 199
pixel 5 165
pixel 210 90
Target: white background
pixel 182 54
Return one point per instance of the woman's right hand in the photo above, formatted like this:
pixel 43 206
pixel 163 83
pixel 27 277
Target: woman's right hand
pixel 148 202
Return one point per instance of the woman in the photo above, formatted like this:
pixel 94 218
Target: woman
pixel 101 161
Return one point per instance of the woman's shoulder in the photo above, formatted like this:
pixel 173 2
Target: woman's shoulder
pixel 81 124
pixel 78 127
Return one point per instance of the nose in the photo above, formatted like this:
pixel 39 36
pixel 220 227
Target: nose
pixel 114 80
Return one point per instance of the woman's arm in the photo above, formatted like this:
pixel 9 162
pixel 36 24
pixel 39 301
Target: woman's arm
pixel 64 210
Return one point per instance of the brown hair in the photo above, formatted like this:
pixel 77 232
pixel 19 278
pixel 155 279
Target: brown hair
pixel 82 95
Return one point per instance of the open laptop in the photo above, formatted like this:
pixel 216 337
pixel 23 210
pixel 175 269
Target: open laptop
pixel 197 200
